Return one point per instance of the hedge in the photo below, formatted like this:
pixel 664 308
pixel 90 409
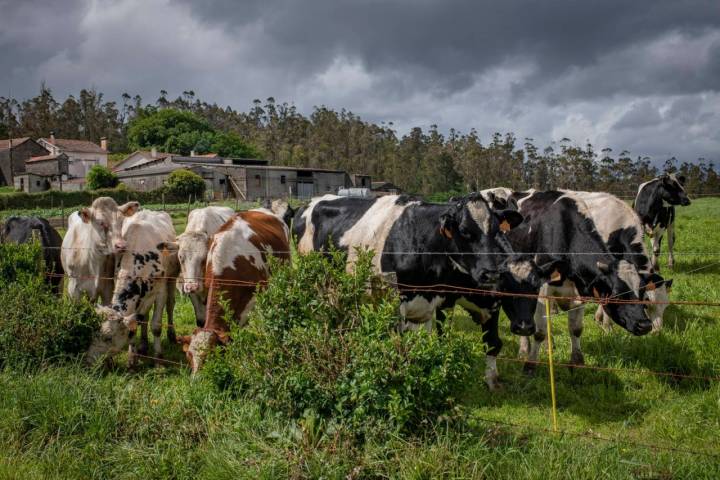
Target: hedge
pixel 50 198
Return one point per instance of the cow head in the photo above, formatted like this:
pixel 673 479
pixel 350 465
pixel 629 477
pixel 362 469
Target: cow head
pixel 106 217
pixel 113 335
pixel 475 233
pixel 656 289
pixel 673 191
pixel 620 280
pixel 192 252
pixel 523 278
pixel 198 346
pixel 283 210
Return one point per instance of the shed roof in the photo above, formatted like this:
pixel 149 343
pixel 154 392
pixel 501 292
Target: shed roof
pixel 72 145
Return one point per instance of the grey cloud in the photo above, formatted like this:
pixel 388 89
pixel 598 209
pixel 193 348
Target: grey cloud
pixel 642 114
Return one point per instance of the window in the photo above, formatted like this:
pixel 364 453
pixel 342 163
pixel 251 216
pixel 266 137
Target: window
pixel 258 181
pixel 37 183
pixel 222 181
pixel 283 180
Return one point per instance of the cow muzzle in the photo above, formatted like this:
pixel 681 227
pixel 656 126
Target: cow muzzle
pixel 523 328
pixel 191 287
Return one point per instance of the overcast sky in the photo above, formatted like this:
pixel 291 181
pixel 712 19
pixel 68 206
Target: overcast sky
pixel 642 75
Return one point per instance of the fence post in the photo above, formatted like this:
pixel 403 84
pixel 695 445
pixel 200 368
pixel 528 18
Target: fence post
pixel 550 364
pixel 163 200
pixel 62 213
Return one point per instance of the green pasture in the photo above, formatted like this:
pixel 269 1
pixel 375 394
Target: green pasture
pixel 624 422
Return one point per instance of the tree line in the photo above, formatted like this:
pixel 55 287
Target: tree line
pixel 420 161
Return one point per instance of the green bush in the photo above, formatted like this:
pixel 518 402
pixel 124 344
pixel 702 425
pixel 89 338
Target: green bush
pixel 100 177
pixel 35 325
pixel 121 194
pixel 319 346
pixel 183 183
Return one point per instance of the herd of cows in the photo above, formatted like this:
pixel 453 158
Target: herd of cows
pixel 485 251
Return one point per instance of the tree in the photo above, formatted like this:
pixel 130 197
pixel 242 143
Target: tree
pixel 183 183
pixel 172 130
pixel 100 177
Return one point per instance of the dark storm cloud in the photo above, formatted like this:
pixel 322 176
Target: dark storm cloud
pixel 640 74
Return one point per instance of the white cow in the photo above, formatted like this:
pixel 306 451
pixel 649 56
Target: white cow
pixel 145 279
pixel 191 248
pixel 92 239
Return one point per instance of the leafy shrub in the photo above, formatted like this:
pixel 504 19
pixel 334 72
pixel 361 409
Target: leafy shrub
pixel 318 344
pixel 100 177
pixel 35 325
pixel 183 183
pixel 121 194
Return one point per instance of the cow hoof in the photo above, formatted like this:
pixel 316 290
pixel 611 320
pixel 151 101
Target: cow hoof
pixel 577 358
pixel 529 369
pixel 172 338
pixel 493 384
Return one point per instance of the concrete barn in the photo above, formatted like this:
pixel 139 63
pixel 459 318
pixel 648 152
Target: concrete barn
pixel 42 173
pixel 20 149
pixel 82 154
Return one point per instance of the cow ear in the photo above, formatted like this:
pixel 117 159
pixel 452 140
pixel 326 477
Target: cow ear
pixel 681 179
pixel 129 209
pixel 509 219
pixel 184 340
pixel 554 270
pixel 85 215
pixel 603 267
pixel 448 225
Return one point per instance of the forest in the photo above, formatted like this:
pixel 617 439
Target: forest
pixel 421 161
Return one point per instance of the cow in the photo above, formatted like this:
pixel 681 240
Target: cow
pixel 24 230
pixel 461 244
pixel 146 276
pixel 622 231
pixel 568 250
pixel 655 205
pixel 191 248
pixel 93 237
pixel 237 264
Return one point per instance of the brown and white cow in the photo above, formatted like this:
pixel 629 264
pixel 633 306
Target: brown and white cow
pixel 93 237
pixel 192 250
pixel 145 280
pixel 236 266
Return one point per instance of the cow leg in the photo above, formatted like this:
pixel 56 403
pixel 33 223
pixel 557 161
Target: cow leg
pixel 199 307
pixel 670 243
pixel 603 320
pixel 575 326
pixel 156 324
pixel 538 337
pixel 170 309
pixel 656 242
pixel 133 350
pixel 524 347
pixel 492 340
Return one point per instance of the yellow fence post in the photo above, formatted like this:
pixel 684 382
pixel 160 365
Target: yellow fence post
pixel 550 363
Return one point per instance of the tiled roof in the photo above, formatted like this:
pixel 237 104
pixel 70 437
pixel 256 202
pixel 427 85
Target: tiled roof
pixel 71 145
pixel 5 143
pixel 42 158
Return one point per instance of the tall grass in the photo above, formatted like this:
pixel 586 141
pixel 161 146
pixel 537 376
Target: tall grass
pixel 72 422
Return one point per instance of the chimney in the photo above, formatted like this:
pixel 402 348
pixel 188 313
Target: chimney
pixel 153 152
pixel 192 153
pixel 103 143
pixel 52 137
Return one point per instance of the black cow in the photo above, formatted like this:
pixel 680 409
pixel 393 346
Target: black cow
pixel 655 204
pixel 461 244
pixel 572 256
pixel 23 229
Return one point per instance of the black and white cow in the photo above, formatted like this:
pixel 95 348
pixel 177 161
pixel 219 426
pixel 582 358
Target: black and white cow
pixel 655 204
pixel 558 228
pixel 622 231
pixel 461 244
pixel 23 230
pixel 146 277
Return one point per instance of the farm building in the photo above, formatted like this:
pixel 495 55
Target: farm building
pixel 82 154
pixel 42 173
pixel 20 150
pixel 244 178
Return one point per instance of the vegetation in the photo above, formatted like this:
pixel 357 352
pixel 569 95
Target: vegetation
pixel 100 177
pixel 67 421
pixel 331 139
pixel 184 183
pixel 37 327
pixel 321 347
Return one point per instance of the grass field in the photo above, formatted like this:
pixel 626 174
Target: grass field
pixel 70 422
